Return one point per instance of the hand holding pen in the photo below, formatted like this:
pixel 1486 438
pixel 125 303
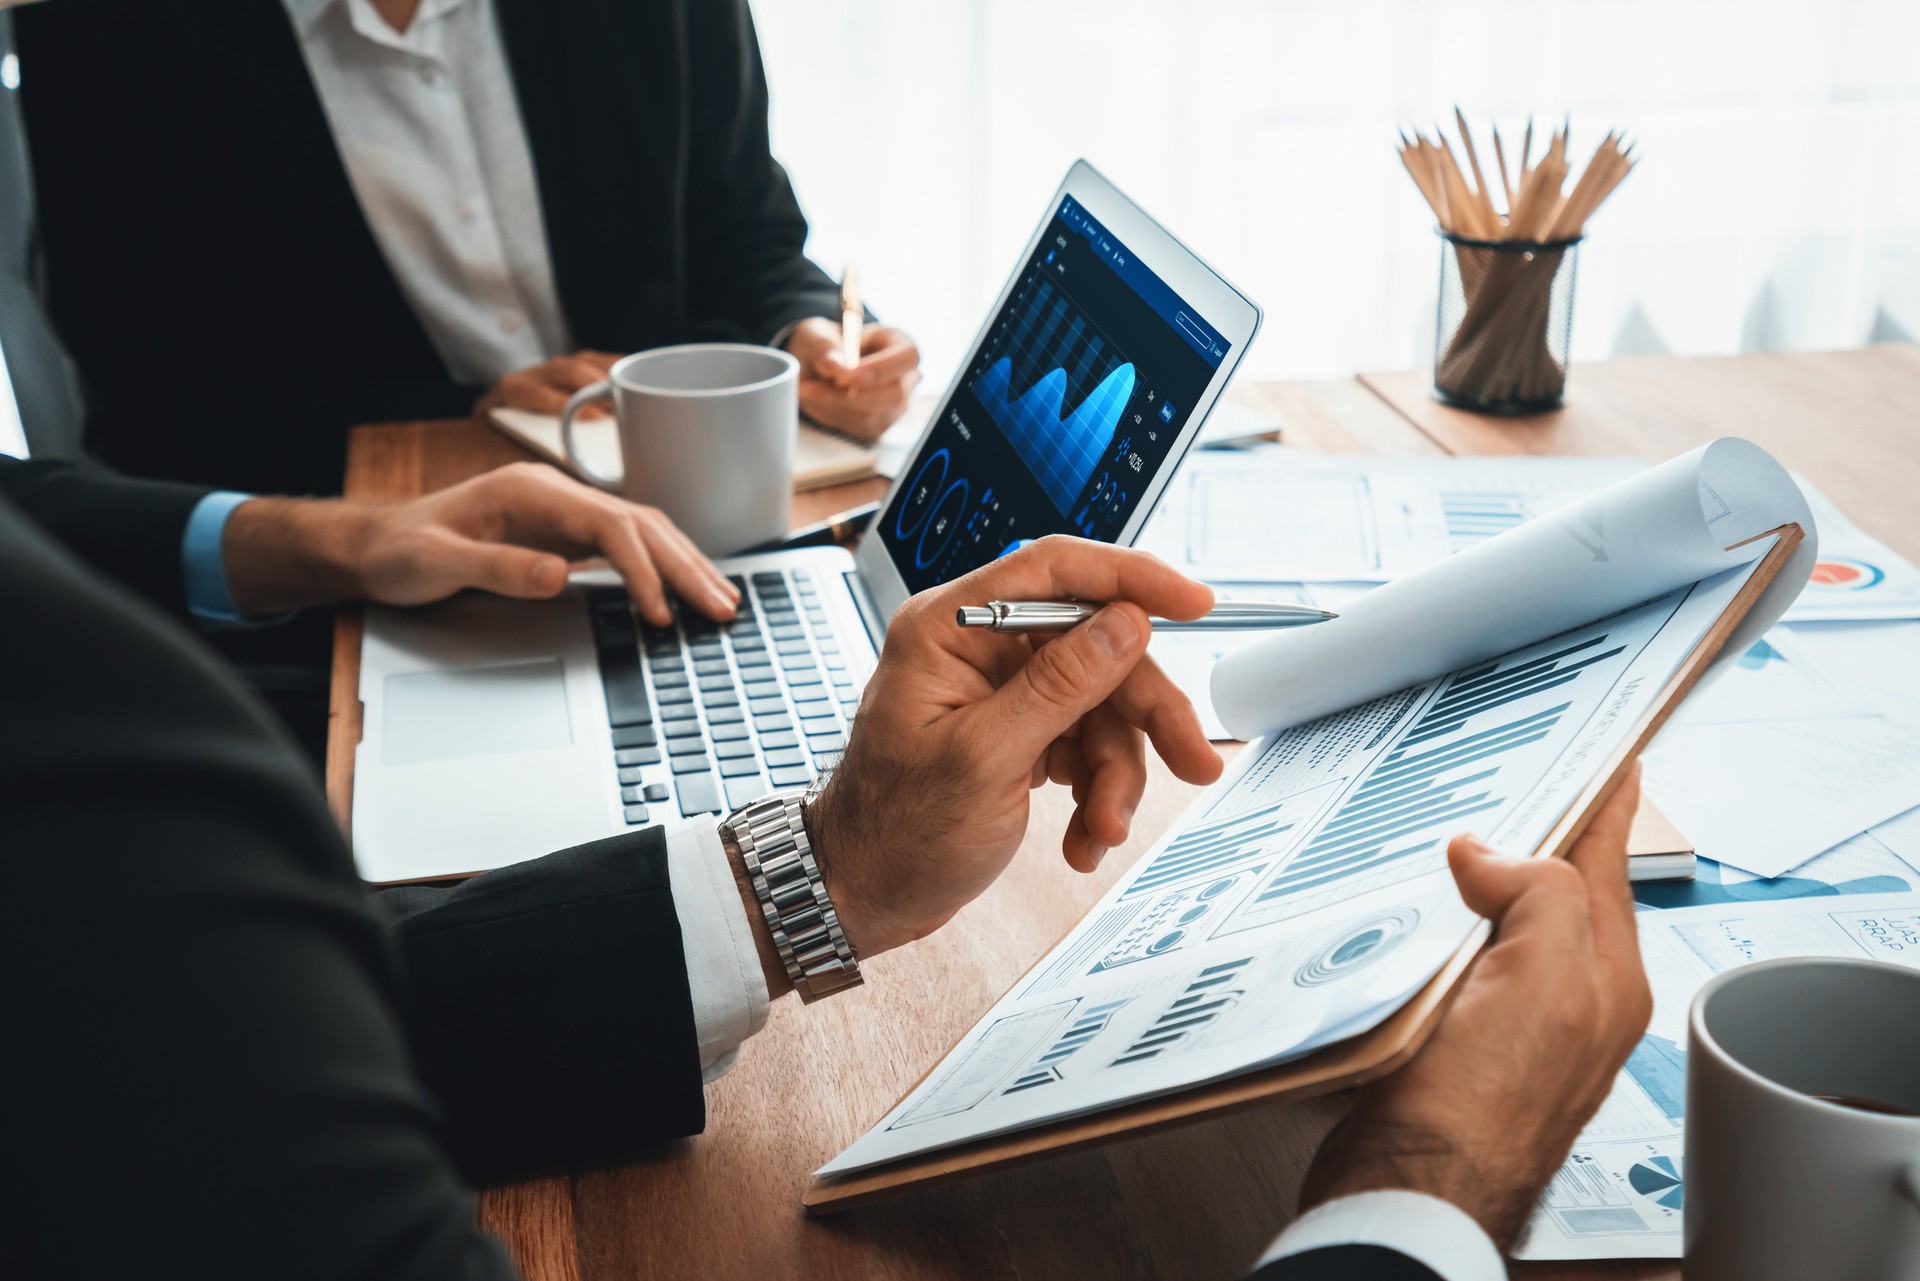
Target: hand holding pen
pixel 855 377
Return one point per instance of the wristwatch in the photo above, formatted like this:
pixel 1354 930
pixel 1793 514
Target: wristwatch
pixel 771 834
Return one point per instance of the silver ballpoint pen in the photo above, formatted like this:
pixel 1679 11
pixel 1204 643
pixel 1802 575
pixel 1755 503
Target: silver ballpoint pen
pixel 1059 615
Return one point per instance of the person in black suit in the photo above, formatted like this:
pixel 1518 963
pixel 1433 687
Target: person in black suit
pixel 265 221
pixel 230 1062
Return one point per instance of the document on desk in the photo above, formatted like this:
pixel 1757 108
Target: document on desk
pixel 1621 1191
pixel 1858 577
pixel 1279 514
pixel 1305 897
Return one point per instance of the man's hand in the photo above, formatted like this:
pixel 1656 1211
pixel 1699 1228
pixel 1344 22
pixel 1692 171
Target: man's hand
pixel 1489 1108
pixel 861 400
pixel 957 726
pixel 511 531
pixel 544 388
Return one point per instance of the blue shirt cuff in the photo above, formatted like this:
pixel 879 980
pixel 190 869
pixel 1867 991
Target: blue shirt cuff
pixel 203 565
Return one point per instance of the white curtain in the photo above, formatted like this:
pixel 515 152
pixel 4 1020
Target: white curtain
pixel 1777 204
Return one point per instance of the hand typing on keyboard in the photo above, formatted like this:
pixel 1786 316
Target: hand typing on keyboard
pixel 957 725
pixel 510 531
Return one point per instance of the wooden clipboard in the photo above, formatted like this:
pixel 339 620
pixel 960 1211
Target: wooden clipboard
pixel 1339 1066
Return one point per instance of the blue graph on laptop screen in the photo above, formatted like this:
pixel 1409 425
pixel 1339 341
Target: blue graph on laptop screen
pixel 1070 408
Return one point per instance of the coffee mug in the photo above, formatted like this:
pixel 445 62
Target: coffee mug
pixel 706 435
pixel 1803 1123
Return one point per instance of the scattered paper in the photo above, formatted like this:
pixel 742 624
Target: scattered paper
pixel 1858 577
pixel 1766 798
pixel 1621 1193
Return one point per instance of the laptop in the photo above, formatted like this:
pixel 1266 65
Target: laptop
pixel 498 730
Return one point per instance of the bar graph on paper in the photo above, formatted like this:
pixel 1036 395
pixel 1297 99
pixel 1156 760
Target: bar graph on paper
pixel 1369 798
pixel 1058 389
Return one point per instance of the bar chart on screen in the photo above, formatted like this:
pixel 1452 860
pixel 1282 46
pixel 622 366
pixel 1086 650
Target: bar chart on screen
pixel 1058 389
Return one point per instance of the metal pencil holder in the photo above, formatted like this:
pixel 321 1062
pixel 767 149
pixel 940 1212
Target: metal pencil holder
pixel 1505 323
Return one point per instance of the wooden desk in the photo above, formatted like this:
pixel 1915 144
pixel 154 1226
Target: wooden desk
pixel 1193 1203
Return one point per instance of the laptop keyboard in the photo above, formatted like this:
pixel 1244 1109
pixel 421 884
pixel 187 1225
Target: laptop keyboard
pixel 708 716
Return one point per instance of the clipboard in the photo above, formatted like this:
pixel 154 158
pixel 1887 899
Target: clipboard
pixel 1343 1065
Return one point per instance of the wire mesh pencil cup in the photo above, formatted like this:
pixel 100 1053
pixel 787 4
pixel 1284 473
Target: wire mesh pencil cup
pixel 1505 323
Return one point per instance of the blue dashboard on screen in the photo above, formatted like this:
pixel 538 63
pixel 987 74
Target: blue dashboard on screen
pixel 1081 388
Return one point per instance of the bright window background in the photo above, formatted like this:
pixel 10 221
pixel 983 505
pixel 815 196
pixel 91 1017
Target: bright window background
pixel 1777 204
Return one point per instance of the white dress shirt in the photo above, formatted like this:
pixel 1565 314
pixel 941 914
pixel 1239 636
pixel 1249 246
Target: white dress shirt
pixel 429 128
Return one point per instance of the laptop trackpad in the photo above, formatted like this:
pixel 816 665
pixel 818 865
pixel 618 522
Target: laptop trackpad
pixel 475 711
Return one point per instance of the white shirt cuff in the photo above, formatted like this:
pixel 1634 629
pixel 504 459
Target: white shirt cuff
pixel 723 966
pixel 1425 1228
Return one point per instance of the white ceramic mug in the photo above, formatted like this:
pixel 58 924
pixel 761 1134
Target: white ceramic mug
pixel 1781 1183
pixel 706 435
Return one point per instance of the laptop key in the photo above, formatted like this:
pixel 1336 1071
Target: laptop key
pixel 690 764
pixel 636 813
pixel 789 632
pixel 733 749
pixel 678 711
pixel 809 694
pixel 794 776
pixel 674 694
pixel 725 715
pixel 711 667
pixel 656 792
pixel 728 732
pixel 625 689
pixel 669 679
pixel 780 756
pixel 750 787
pixel 753 658
pixel 679 747
pixel 767 724
pixel 796 646
pixel 719 680
pixel 699 794
pixel 637 756
pixel 629 777
pixel 780 738
pixel 766 706
pixel 826 742
pixel 738 766
pixel 719 698
pixel 632 796
pixel 634 736
pixel 802 661
pixel 804 676
pixel 681 729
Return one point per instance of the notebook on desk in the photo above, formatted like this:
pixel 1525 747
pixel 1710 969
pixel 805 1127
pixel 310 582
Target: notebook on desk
pixel 821 458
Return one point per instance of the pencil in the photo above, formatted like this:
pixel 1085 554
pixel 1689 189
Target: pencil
pixel 850 316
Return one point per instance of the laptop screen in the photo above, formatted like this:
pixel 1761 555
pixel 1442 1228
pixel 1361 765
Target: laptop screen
pixel 1069 409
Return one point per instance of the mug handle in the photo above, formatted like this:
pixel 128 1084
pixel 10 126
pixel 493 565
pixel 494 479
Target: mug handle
pixel 1909 1184
pixel 602 390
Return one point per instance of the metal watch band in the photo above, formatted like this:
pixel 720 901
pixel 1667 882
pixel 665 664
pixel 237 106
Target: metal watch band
pixel 771 834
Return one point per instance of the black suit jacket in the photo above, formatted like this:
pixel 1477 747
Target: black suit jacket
pixel 223 1061
pixel 225 301
pixel 126 528
pixel 224 1057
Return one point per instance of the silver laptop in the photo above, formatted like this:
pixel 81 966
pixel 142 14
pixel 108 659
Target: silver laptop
pixel 496 730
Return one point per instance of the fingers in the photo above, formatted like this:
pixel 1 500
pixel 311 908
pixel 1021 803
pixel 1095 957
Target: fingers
pixel 1600 856
pixel 815 343
pixel 1058 567
pixel 545 387
pixel 1537 898
pixel 1115 754
pixel 504 569
pixel 1062 682
pixel 1149 699
pixel 886 356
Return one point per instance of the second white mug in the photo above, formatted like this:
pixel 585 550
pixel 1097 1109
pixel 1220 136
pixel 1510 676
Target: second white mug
pixel 706 435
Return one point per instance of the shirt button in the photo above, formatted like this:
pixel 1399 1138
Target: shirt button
pixel 429 73
pixel 510 324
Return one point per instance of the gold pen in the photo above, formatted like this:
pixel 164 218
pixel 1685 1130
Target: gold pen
pixel 850 317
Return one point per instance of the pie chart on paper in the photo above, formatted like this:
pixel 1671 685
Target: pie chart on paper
pixel 1658 1180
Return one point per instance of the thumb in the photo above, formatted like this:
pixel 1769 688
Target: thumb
pixel 1488 880
pixel 1066 679
pixel 506 570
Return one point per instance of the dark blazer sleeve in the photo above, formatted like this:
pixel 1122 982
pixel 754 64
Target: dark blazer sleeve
pixel 746 235
pixel 130 530
pixel 1347 1263
pixel 227 1057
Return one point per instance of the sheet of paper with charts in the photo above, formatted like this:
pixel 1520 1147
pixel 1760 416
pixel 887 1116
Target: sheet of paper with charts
pixel 1621 1192
pixel 1306 896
